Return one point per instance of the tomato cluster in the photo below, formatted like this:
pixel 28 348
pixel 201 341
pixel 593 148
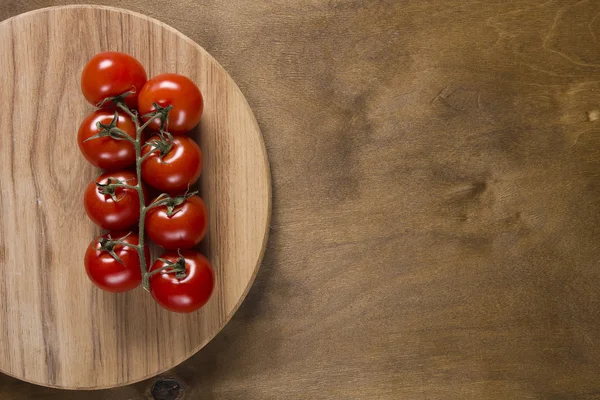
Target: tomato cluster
pixel 137 136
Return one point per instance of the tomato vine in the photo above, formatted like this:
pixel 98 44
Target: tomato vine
pixel 113 131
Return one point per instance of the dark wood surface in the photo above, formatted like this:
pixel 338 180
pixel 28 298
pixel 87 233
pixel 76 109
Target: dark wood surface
pixel 436 172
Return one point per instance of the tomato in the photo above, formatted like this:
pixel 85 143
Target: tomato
pixel 183 294
pixel 107 213
pixel 176 169
pixel 111 74
pixel 177 91
pixel 106 272
pixel 105 152
pixel 183 229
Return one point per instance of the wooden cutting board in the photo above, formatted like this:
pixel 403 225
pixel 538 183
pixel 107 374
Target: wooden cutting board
pixel 56 328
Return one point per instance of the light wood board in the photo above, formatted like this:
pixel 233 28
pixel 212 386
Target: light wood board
pixel 56 328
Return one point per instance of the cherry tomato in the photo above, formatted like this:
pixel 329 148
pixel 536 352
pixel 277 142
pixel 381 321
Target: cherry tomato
pixel 183 229
pixel 107 213
pixel 185 294
pixel 175 170
pixel 111 74
pixel 105 152
pixel 106 272
pixel 177 91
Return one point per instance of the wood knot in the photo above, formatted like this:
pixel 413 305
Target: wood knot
pixel 167 389
pixel 593 115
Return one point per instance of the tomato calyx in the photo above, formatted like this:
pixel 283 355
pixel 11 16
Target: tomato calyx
pixel 110 130
pixel 171 202
pixel 108 244
pixel 161 113
pixel 178 268
pixel 163 145
pixel 109 188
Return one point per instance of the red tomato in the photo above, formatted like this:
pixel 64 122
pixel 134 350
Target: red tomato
pixel 108 273
pixel 175 170
pixel 177 91
pixel 185 294
pixel 107 213
pixel 111 74
pixel 105 152
pixel 184 229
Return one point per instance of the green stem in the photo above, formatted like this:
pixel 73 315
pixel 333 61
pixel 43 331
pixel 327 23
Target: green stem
pixel 137 143
pixel 134 117
pixel 147 155
pixel 157 204
pixel 135 246
pixel 120 134
pixel 158 271
pixel 121 185
pixel 146 124
pixel 143 209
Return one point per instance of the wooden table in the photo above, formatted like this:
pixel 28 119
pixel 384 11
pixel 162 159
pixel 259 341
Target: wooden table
pixel 436 172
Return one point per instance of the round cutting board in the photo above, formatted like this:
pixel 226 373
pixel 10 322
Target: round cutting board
pixel 56 328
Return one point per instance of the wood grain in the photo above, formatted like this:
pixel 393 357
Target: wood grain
pixel 56 328
pixel 436 209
